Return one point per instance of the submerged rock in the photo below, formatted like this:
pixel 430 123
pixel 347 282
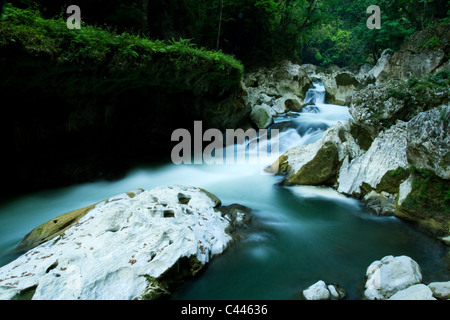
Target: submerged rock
pixel 126 247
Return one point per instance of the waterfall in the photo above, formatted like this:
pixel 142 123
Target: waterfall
pixel 314 119
pixel 316 95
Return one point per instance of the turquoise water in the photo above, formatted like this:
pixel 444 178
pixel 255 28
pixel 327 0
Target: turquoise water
pixel 298 235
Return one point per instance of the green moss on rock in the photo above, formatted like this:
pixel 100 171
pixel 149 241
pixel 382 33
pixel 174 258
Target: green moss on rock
pixel 362 136
pixel 321 170
pixel 392 179
pixel 53 228
pixel 428 203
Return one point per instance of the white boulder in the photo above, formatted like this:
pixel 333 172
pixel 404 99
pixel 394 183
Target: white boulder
pixel 121 248
pixel 390 275
pixel 387 153
pixel 318 291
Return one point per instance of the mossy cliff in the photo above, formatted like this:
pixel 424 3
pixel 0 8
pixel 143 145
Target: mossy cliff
pixel 82 104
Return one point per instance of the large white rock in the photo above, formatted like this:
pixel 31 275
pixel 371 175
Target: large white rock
pixel 416 292
pixel 390 275
pixel 119 248
pixel 387 153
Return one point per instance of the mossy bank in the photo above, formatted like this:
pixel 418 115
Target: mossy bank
pixel 84 103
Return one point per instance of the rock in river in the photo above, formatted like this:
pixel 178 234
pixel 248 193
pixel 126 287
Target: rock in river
pixel 390 275
pixel 138 245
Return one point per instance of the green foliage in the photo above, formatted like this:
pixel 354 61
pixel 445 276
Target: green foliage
pixel 399 20
pixel 94 45
pixel 329 46
pixel 322 32
pixel 426 184
pixel 424 93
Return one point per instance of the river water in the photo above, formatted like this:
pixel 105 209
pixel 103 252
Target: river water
pixel 298 235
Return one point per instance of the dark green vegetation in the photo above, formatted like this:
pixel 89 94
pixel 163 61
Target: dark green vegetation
pixel 84 104
pixel 259 31
pixel 344 39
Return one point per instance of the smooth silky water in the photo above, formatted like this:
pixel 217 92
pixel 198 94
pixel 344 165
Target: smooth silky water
pixel 298 235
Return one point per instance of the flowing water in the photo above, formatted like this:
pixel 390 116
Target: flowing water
pixel 298 235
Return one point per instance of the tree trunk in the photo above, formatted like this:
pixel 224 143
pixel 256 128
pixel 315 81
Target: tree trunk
pixel 144 7
pixel 220 25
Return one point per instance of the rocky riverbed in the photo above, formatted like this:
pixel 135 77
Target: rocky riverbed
pixel 394 152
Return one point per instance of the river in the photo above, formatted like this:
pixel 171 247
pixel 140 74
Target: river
pixel 298 235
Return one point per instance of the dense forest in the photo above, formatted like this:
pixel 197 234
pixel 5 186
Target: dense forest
pixel 321 32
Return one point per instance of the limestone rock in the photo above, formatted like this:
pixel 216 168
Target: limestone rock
pixel 322 291
pixel 387 153
pixel 279 89
pixel 125 248
pixel 262 116
pixel 375 109
pixel 441 290
pixel 318 163
pixel 381 203
pixel 390 275
pixel 415 292
pixel 428 136
pixel 382 63
pixel 317 291
pixel 339 86
pixel 423 53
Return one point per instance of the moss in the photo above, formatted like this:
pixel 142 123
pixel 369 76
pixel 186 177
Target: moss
pixel 345 79
pixel 279 167
pixel 366 188
pixel 361 136
pixel 53 228
pixel 428 204
pixel 114 63
pixel 213 197
pixel 26 294
pixel 392 179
